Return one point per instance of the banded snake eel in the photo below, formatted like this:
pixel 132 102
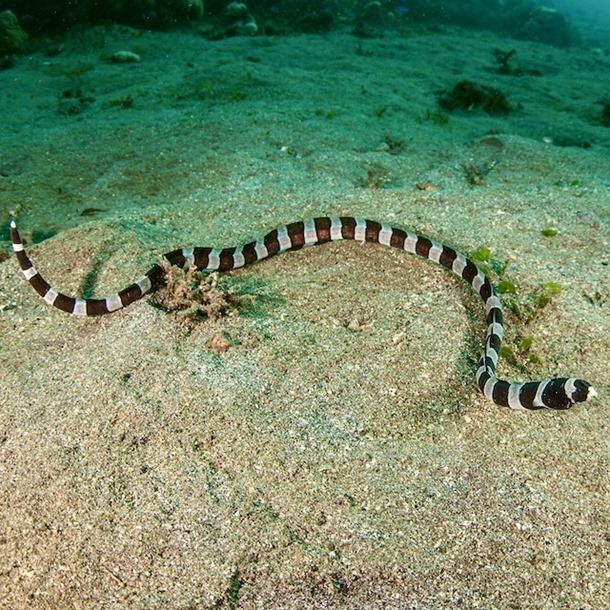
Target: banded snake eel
pixel 559 393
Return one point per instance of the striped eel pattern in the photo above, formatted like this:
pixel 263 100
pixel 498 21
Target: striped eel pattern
pixel 559 393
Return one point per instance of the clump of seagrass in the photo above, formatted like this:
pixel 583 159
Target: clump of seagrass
pixel 195 296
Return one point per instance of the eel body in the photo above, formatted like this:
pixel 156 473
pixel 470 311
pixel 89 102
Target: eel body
pixel 558 393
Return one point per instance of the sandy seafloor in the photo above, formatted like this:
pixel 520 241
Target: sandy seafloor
pixel 338 454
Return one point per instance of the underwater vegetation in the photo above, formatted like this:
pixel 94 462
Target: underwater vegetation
pixel 195 296
pixel 523 19
pixel 507 67
pixel 525 303
pixel 60 15
pixel 12 35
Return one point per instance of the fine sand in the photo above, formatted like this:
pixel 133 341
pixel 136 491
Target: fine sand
pixel 335 452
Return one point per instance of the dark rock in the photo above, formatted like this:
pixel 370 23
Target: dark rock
pixel 467 95
pixel 12 35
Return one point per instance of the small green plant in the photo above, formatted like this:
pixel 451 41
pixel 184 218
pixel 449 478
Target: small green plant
pixel 439 118
pixel 597 298
pixel 490 265
pixel 549 232
pixel 506 287
pixel 571 183
pixel 482 255
pixel 125 101
pixel 525 306
pixel 379 111
pixel 329 115
pixel 522 352
pixel 236 582
pixel 528 307
pixel 552 289
pixel 204 86
pixel 202 89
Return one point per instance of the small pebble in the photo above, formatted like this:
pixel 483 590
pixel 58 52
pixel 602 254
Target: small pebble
pixel 124 57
